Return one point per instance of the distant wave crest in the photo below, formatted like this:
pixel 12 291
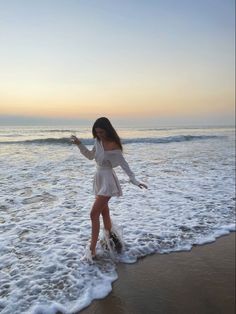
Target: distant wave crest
pixel 148 140
pixel 169 139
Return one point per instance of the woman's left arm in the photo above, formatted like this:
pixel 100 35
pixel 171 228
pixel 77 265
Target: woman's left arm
pixel 124 165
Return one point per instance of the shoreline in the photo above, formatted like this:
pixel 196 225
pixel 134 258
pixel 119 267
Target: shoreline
pixel 198 281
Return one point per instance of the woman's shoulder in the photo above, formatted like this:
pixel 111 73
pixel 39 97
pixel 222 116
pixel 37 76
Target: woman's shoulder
pixel 111 146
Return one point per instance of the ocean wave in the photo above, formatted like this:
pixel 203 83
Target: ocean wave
pixel 44 141
pixel 146 140
pixel 169 139
pixel 187 204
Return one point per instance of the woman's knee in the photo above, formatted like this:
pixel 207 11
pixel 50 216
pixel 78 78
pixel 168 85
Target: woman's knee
pixel 98 207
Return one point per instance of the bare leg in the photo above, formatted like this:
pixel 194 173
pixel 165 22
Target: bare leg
pixel 99 204
pixel 108 225
pixel 106 218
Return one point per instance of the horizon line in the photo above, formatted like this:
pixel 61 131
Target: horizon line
pixel 20 120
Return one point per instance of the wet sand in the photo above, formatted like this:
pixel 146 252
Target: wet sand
pixel 201 281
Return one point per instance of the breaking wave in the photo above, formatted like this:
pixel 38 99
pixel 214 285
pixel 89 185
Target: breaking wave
pixel 148 140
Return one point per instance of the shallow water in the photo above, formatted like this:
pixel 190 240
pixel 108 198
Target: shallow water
pixel 46 196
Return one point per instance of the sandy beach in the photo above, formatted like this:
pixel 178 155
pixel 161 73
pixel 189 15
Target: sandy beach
pixel 199 281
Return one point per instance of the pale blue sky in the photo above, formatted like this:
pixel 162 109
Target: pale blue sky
pixel 81 59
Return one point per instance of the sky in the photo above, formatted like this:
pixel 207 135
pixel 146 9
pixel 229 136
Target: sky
pixel 152 61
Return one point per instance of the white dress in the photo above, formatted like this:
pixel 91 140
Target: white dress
pixel 105 181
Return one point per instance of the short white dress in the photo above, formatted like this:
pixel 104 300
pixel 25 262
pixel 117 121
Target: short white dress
pixel 105 181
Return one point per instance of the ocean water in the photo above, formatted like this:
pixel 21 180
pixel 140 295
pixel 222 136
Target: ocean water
pixel 46 197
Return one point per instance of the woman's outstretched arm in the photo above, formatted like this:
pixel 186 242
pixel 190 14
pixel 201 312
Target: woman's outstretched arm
pixel 90 154
pixel 124 165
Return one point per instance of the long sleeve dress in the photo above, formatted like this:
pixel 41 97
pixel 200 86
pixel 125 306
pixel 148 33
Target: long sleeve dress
pixel 105 181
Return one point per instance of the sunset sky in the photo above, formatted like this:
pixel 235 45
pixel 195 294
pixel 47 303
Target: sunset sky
pixel 153 60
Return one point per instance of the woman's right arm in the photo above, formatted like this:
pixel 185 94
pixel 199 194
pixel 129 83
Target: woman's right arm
pixel 90 154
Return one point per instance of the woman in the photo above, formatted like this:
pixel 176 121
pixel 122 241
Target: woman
pixel 107 152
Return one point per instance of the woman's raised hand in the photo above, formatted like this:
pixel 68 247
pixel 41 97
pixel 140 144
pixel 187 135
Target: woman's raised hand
pixel 142 185
pixel 75 140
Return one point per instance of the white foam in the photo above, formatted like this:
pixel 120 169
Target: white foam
pixel 52 309
pixel 44 215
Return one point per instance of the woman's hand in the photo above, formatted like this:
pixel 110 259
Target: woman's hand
pixel 142 185
pixel 75 140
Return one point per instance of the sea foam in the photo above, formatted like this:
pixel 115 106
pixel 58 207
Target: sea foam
pixel 46 197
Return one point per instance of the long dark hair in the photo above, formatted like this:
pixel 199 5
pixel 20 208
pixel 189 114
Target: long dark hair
pixel 105 124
